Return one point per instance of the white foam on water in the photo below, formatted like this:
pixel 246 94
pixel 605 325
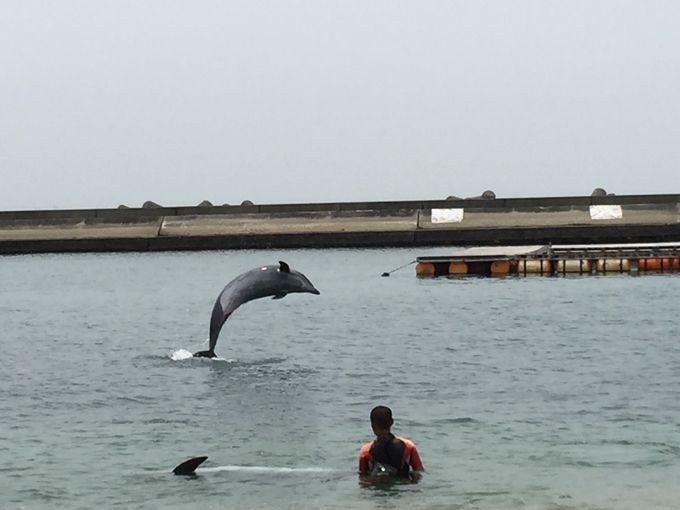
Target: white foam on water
pixel 181 354
pixel 265 470
pixel 257 470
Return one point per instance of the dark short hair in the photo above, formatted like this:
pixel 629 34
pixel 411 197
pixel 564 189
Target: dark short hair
pixel 381 417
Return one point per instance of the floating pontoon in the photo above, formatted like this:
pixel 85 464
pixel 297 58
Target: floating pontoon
pixel 553 259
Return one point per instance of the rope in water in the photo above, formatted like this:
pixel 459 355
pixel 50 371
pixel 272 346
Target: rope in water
pixel 387 273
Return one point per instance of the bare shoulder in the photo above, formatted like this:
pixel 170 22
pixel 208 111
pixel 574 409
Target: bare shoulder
pixel 406 441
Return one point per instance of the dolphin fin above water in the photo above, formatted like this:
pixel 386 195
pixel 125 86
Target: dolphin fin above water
pixel 188 467
pixel 276 281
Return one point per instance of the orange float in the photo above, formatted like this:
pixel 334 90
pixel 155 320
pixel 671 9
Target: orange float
pixel 500 267
pixel 650 264
pixel 424 269
pixel 458 267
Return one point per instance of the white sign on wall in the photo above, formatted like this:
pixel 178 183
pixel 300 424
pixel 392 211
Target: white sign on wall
pixel 447 215
pixel 606 212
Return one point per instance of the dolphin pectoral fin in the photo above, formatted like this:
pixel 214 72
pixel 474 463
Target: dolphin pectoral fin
pixel 283 267
pixel 280 295
pixel 205 354
pixel 188 468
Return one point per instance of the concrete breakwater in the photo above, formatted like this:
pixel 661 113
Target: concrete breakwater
pixel 468 222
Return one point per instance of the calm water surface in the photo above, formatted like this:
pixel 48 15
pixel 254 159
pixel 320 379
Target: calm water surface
pixel 519 392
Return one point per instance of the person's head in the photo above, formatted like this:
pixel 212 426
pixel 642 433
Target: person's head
pixel 381 420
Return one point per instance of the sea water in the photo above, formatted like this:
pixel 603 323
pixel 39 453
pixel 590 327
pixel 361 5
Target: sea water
pixel 519 392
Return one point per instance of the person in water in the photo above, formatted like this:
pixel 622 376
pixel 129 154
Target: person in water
pixel 388 454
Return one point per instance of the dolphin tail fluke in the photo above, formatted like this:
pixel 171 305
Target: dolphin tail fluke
pixel 205 354
pixel 188 467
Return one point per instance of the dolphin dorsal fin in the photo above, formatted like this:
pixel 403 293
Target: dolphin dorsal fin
pixel 188 467
pixel 283 267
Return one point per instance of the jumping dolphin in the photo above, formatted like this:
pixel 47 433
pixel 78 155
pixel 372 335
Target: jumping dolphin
pixel 257 283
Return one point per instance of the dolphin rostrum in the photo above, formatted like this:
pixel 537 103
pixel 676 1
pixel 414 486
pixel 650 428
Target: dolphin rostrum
pixel 257 283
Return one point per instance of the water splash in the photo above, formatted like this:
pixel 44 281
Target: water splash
pixel 181 354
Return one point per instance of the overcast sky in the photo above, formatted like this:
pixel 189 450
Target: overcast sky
pixel 110 102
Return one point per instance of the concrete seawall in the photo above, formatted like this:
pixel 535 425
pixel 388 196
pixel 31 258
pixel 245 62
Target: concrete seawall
pixel 615 219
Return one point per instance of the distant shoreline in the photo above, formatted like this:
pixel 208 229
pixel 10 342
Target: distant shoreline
pixel 456 222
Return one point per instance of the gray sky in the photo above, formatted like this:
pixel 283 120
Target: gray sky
pixel 109 102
